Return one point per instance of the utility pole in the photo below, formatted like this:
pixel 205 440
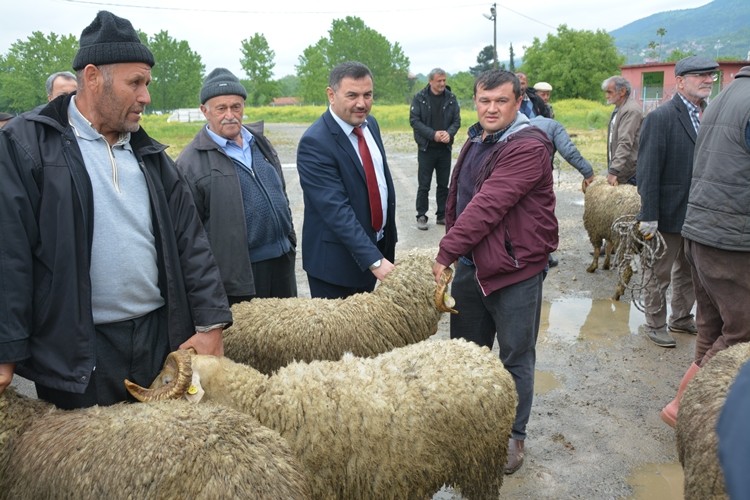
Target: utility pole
pixel 493 17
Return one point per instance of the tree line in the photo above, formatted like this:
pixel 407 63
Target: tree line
pixel 574 62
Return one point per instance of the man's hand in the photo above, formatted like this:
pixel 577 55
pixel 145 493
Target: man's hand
pixel 648 229
pixel 386 266
pixel 442 136
pixel 612 180
pixel 437 271
pixel 587 182
pixel 6 375
pixel 210 342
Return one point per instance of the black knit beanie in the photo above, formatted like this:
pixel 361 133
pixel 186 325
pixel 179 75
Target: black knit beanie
pixel 221 82
pixel 110 39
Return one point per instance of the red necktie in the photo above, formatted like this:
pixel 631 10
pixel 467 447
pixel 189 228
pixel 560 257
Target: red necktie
pixel 376 207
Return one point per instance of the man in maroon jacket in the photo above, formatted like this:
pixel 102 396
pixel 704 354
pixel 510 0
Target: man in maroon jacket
pixel 501 225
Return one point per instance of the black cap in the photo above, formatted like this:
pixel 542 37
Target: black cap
pixel 110 39
pixel 5 117
pixel 221 81
pixel 695 64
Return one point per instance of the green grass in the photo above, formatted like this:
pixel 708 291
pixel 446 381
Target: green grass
pixel 585 120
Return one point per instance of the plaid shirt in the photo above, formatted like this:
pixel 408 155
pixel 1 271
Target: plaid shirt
pixel 693 110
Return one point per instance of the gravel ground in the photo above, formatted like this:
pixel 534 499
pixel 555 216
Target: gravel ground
pixel 594 431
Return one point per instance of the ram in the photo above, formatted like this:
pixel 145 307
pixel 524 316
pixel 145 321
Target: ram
pixel 399 425
pixel 168 450
pixel 405 308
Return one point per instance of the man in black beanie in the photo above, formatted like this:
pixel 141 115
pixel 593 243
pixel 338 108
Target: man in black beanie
pixel 106 265
pixel 239 189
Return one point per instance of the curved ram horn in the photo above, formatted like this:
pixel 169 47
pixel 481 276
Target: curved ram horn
pixel 171 383
pixel 443 301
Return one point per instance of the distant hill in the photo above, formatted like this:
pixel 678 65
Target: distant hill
pixel 720 27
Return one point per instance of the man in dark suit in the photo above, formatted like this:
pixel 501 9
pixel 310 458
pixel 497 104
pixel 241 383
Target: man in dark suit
pixel 349 230
pixel 664 171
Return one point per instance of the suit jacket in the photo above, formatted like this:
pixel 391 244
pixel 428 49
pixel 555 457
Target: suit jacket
pixel 338 242
pixel 665 164
pixel 622 140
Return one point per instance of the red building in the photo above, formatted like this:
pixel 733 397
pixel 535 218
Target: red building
pixel 655 82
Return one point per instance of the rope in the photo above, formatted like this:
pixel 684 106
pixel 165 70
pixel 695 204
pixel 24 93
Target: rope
pixel 634 254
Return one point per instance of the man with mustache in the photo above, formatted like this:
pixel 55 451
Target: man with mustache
pixel 664 172
pixel 105 265
pixel 349 229
pixel 239 189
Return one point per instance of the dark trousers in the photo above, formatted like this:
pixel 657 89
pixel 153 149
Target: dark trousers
pixel 273 278
pixel 438 160
pixel 134 349
pixel 511 314
pixel 721 280
pixel 323 290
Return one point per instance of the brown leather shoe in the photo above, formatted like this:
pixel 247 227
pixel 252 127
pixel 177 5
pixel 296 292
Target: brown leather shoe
pixel 515 456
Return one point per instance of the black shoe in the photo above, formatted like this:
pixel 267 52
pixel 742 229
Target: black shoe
pixel 551 261
pixel 422 222
pixel 440 221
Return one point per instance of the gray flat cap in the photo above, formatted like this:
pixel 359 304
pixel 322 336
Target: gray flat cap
pixel 695 64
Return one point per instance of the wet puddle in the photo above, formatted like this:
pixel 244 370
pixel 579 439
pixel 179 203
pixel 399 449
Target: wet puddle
pixel 575 319
pixel 657 482
pixel 544 382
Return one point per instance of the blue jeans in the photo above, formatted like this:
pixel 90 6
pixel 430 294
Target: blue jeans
pixel 512 314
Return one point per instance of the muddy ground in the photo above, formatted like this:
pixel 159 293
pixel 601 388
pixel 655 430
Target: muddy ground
pixel 594 431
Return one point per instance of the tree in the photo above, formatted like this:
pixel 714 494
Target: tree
pixel 257 61
pixel 26 66
pixel 574 62
pixel 485 61
pixel 350 39
pixel 512 64
pixel 462 85
pixel 177 76
pixel 288 85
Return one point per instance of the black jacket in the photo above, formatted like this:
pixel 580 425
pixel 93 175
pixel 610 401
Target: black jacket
pixel 216 190
pixel 420 118
pixel 537 104
pixel 46 211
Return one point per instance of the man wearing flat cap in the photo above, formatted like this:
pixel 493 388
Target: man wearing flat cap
pixel 717 225
pixel 544 91
pixel 239 189
pixel 106 267
pixel 664 171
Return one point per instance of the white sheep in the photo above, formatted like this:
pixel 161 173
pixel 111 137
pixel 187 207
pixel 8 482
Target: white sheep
pixel 270 333
pixel 700 407
pixel 603 206
pixel 169 450
pixel 399 425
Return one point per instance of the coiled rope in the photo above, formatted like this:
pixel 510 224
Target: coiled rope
pixel 633 254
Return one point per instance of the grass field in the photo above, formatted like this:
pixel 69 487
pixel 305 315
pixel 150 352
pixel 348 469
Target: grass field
pixel 585 121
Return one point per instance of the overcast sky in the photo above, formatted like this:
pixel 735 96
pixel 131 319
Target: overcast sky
pixel 431 33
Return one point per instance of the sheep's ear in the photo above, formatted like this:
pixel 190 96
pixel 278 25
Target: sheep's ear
pixel 195 391
pixel 443 301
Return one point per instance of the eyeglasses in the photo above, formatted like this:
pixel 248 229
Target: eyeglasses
pixel 712 75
